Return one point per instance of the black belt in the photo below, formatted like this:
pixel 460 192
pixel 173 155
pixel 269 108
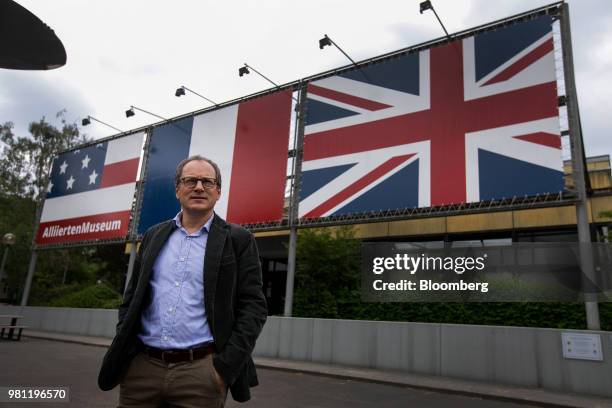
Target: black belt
pixel 178 356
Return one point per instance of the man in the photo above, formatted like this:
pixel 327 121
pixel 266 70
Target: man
pixel 193 307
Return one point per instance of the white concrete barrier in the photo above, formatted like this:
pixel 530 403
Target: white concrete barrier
pixel 530 357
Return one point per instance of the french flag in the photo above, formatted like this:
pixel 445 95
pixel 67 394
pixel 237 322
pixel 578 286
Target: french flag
pixel 249 141
pixel 91 192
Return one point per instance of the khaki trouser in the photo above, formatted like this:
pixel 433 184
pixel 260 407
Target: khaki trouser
pixel 149 382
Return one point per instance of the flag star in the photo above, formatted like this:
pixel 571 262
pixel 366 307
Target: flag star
pixel 92 177
pixel 63 167
pixel 69 183
pixel 85 161
pixel 99 145
pixel 77 151
pixel 50 187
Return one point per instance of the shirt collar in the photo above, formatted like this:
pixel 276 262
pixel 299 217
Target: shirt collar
pixel 205 227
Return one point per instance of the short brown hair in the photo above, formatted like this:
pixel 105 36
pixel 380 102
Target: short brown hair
pixel 179 169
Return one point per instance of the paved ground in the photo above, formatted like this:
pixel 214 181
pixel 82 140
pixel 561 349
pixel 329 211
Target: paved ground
pixel 37 362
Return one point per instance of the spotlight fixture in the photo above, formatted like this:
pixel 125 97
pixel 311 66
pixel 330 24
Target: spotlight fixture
pixel 244 70
pixel 181 91
pixel 87 121
pixel 324 41
pixel 328 41
pixel 426 5
pixel 130 112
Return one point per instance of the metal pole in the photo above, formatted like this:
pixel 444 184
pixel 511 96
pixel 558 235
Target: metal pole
pixel 578 168
pixel 104 123
pixel 28 282
pixel 440 21
pixel 133 234
pixel 130 265
pixel 294 201
pixel 290 272
pixel 3 263
pixel 201 96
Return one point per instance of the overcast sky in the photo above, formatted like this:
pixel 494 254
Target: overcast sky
pixel 123 53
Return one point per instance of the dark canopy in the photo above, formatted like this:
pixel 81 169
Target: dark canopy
pixel 26 42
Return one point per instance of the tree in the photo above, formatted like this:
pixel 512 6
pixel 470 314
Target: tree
pixel 327 275
pixel 25 161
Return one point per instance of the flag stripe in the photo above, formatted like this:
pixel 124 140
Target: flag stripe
pixel 119 173
pixel 523 63
pixel 542 138
pixel 100 226
pixel 346 98
pixel 262 138
pixel 358 185
pixel 213 136
pixel 101 201
pixel 124 148
pixel 168 145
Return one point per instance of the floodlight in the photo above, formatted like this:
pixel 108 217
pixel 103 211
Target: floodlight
pixel 243 70
pixel 324 41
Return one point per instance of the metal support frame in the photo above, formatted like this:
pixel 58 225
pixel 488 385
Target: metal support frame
pixel 28 282
pixel 131 262
pixel 506 204
pixel 132 232
pixel 298 147
pixel 578 167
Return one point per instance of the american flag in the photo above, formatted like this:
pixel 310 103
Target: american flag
pixel 90 192
pixel 470 120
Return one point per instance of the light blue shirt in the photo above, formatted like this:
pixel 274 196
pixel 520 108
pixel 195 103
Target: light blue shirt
pixel 176 317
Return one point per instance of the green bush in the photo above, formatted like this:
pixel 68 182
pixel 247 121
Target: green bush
pixel 328 286
pixel 97 296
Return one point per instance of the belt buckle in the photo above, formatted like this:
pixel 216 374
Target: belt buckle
pixel 163 354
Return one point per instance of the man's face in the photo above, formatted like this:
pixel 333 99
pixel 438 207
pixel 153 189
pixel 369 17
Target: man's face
pixel 198 200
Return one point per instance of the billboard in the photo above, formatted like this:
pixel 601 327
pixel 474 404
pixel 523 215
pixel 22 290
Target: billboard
pixel 91 193
pixel 248 140
pixel 470 120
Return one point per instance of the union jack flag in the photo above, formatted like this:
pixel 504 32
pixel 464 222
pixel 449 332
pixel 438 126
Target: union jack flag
pixel 470 120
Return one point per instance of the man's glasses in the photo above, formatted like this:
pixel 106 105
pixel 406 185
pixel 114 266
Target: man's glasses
pixel 192 182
